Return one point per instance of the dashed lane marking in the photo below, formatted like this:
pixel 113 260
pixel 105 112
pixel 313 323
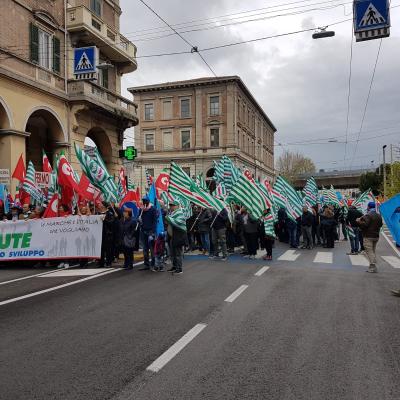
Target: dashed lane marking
pixel 392 260
pixel 324 257
pixel 261 271
pixel 166 357
pixel 236 294
pixel 289 255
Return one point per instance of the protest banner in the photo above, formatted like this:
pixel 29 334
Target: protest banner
pixel 51 238
pixel 42 179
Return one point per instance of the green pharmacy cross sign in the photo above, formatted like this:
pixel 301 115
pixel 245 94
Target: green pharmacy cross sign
pixel 129 153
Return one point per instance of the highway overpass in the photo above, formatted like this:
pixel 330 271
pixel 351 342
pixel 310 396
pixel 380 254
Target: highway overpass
pixel 347 179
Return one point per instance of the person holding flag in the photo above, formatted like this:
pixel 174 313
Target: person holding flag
pixel 177 236
pixel 370 225
pixel 148 224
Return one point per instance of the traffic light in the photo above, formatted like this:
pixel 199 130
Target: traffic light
pixel 129 153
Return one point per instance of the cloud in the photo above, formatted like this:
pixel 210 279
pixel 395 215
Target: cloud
pixel 301 83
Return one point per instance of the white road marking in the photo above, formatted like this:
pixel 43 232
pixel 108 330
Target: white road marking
pixel 75 272
pixel 324 257
pixel 288 255
pixel 261 271
pixel 27 296
pixel 36 275
pixel 236 294
pixel 27 277
pixel 392 260
pixel 391 244
pixel 175 349
pixel 358 260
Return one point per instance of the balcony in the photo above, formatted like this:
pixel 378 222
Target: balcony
pixel 88 29
pixel 99 97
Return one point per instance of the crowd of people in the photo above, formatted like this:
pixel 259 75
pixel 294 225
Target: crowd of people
pixel 216 235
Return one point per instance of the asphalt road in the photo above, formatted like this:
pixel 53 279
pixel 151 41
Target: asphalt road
pixel 302 329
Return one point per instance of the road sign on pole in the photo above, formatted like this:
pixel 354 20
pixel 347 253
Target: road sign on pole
pixel 85 62
pixel 371 19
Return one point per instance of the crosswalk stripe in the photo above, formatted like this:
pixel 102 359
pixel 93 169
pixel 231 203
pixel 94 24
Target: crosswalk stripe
pixel 289 255
pixel 392 260
pixel 324 257
pixel 359 260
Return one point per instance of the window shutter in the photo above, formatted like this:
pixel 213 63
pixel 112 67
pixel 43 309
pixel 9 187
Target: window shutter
pixel 56 54
pixel 34 43
pixel 105 78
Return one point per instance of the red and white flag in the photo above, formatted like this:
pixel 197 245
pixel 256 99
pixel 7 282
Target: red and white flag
pixel 52 208
pixel 46 163
pixel 66 176
pixel 162 182
pixel 86 189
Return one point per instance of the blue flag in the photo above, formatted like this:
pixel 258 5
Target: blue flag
pixel 153 200
pixel 4 197
pixel 390 211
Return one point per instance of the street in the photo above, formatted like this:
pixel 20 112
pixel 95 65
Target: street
pixel 313 325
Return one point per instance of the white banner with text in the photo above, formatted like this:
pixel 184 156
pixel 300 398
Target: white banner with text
pixel 51 238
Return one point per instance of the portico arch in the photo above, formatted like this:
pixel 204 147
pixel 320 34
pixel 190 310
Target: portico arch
pixel 46 133
pixel 99 137
pixel 6 121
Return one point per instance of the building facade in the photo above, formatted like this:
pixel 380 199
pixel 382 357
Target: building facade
pixel 195 122
pixel 42 105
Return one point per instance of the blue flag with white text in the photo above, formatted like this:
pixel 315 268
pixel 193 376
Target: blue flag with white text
pixel 390 211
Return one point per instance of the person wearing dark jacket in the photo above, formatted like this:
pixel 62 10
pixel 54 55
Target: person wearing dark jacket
pixel 329 224
pixel 148 223
pixel 176 230
pixel 291 226
pixel 128 229
pixel 307 220
pixel 204 223
pixel 219 233
pixel 352 215
pixel 370 225
pixel 109 236
pixel 251 230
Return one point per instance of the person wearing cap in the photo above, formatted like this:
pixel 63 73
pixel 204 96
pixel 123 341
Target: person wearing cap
pixel 177 236
pixel 370 225
pixel 148 222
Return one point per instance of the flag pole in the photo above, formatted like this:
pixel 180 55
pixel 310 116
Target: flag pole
pixel 194 223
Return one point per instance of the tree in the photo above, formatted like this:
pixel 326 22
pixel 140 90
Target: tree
pixel 371 180
pixel 393 180
pixel 290 164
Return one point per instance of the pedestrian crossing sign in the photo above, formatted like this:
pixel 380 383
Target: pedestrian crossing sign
pixel 371 19
pixel 85 62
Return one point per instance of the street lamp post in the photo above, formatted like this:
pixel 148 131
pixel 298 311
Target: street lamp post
pixel 384 172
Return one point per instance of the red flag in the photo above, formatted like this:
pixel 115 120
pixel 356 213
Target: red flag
pixel 46 163
pixel 52 208
pixel 86 189
pixel 19 171
pixel 162 182
pixel 130 196
pixel 66 175
pixel 24 197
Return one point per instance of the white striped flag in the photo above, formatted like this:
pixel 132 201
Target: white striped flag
pixel 246 193
pixel 29 185
pixel 177 219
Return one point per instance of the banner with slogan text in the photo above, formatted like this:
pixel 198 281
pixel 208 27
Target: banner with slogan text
pixel 51 238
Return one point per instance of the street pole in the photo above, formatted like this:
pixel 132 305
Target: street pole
pixel 384 172
pixel 391 167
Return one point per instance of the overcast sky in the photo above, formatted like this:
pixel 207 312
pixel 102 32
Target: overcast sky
pixel 301 83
